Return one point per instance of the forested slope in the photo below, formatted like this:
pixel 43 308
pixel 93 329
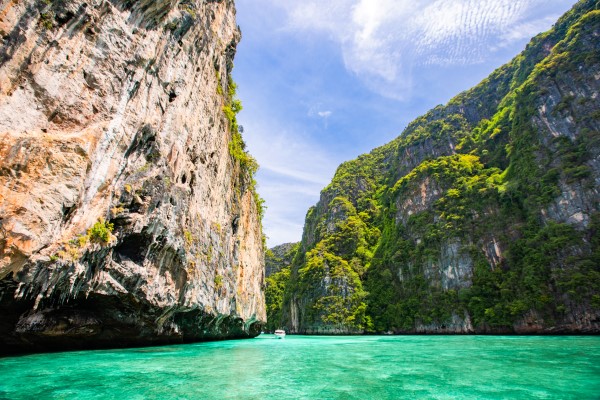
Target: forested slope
pixel 482 216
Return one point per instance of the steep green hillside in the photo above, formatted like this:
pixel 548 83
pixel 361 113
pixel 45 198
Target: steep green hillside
pixel 278 261
pixel 483 216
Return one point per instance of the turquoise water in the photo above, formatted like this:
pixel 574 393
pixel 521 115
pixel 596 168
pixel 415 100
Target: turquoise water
pixel 302 367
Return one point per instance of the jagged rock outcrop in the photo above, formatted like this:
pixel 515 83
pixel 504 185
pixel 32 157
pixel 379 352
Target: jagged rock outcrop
pixel 482 217
pixel 125 219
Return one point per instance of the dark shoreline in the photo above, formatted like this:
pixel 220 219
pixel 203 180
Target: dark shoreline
pixel 102 346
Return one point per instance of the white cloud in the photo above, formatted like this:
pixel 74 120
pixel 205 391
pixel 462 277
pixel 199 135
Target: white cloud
pixel 526 30
pixel 324 114
pixel 382 41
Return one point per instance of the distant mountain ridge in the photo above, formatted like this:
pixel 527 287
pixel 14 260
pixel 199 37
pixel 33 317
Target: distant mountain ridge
pixel 482 217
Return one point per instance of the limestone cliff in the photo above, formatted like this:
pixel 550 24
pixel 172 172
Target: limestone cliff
pixel 125 216
pixel 482 217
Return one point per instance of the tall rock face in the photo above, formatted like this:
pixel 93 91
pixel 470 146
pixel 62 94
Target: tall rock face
pixel 482 217
pixel 127 207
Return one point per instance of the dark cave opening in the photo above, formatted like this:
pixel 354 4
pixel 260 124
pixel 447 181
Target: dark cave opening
pixel 134 247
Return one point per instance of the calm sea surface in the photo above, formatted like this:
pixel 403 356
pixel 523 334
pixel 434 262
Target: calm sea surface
pixel 303 367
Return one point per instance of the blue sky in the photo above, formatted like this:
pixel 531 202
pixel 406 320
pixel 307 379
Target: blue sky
pixel 323 82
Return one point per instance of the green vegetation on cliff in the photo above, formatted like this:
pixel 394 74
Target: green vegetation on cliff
pixel 482 216
pixel 278 262
pixel 237 147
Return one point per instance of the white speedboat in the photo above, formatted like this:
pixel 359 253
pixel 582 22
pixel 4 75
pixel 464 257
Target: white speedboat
pixel 280 333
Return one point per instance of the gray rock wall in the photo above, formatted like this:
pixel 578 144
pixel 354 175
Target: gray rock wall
pixel 112 111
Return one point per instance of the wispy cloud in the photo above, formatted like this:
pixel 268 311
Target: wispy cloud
pixel 293 170
pixel 382 41
pixel 286 153
pixel 324 114
pixel 301 174
pixel 525 30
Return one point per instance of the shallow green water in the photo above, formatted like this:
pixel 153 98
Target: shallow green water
pixel 367 367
